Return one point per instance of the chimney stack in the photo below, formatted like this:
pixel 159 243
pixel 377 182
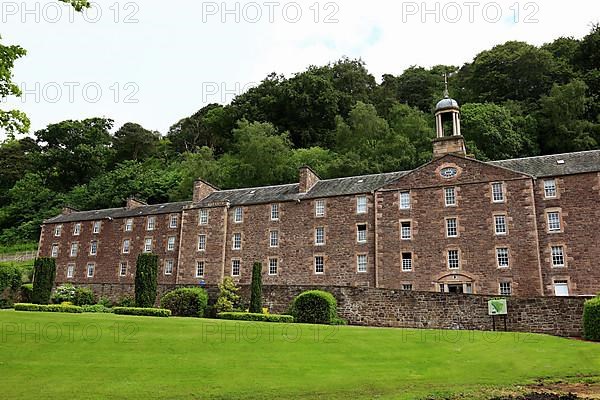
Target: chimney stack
pixel 132 203
pixel 202 190
pixel 308 179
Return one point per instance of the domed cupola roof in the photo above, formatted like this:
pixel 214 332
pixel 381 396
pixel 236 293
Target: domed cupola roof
pixel 446 103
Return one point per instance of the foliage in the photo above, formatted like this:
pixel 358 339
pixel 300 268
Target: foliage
pixel 256 289
pixel 591 319
pixel 18 248
pixel 242 316
pixel 83 297
pixel 58 308
pixel 63 293
pixel 228 299
pixel 144 312
pixel 96 308
pixel 185 302
pixel 315 307
pixel 105 301
pixel 27 292
pixel 146 274
pixel 125 301
pixel 10 277
pixel 45 272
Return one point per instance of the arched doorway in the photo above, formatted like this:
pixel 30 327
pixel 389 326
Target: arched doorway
pixel 455 282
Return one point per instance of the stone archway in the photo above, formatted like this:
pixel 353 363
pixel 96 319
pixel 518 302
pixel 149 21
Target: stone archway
pixel 455 282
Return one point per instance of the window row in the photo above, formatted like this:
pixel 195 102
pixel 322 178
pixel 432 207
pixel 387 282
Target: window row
pixel 273 266
pixel 128 227
pixel 450 198
pixel 125 247
pixel 123 269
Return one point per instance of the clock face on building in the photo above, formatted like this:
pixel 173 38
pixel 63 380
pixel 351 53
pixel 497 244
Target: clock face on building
pixel 449 172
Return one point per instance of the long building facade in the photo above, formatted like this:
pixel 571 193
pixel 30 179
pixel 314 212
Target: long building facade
pixel 521 227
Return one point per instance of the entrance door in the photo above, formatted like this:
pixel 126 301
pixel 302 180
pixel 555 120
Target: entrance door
pixel 455 288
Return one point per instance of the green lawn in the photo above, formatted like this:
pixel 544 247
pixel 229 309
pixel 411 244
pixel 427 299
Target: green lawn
pixel 58 356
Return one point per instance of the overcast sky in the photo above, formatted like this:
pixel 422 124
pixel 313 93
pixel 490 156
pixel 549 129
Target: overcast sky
pixel 155 62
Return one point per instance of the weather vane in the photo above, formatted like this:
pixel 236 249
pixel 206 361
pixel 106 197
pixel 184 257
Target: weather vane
pixel 446 93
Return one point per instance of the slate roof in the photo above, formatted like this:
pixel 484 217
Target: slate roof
pixel 323 188
pixel 121 212
pixel 554 165
pixel 541 166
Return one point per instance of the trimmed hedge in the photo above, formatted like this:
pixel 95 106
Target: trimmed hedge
pixel 26 292
pixel 145 312
pixel 315 307
pixel 43 280
pixel 146 280
pixel 591 319
pixel 62 308
pixel 256 289
pixel 186 302
pixel 96 308
pixel 241 316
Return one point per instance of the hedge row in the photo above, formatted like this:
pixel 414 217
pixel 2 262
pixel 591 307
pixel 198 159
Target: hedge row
pixel 146 312
pixel 591 319
pixel 48 308
pixel 242 316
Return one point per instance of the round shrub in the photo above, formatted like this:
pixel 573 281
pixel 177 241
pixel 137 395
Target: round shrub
pixel 591 319
pixel 185 302
pixel 63 293
pixel 83 297
pixel 315 307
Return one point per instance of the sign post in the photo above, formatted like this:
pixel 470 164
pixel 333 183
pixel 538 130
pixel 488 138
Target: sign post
pixel 497 307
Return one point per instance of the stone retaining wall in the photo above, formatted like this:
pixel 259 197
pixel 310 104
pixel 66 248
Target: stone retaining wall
pixel 561 316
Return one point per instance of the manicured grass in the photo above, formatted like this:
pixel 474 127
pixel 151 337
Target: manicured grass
pixel 60 356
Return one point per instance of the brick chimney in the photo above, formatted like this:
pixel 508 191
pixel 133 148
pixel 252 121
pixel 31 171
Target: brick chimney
pixel 132 203
pixel 68 210
pixel 202 189
pixel 308 179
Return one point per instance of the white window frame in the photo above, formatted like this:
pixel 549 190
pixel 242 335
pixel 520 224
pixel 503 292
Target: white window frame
pixel 274 238
pixel 93 270
pixel 173 218
pixel 200 265
pixel 123 272
pixel 236 241
pixel 361 235
pixel 171 243
pixel 405 200
pixel 453 262
pixel 58 231
pixel 129 225
pixel 404 230
pixel 554 225
pixel 236 264
pixel 561 283
pixel 54 251
pixel 558 255
pixel 320 229
pixel 169 267
pixel 319 261
pixel 407 262
pixel 238 215
pixel 502 257
pixel 452 224
pixel 126 247
pixel 70 270
pixel 74 250
pixel 506 290
pixel 361 263
pixel 151 223
pixel 450 196
pixel 362 204
pixel 275 212
pixel 148 245
pixel 498 196
pixel 203 217
pixel 77 229
pixel 407 287
pixel 550 190
pixel 273 266
pixel 320 208
pixel 97 226
pixel 201 242
pixel 93 248
pixel 500 221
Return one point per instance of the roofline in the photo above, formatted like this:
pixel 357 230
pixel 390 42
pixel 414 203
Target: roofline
pixel 546 155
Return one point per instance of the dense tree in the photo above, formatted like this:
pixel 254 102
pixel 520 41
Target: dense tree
pixel 196 131
pixel 74 152
pixel 11 121
pixel 133 142
pixel 15 161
